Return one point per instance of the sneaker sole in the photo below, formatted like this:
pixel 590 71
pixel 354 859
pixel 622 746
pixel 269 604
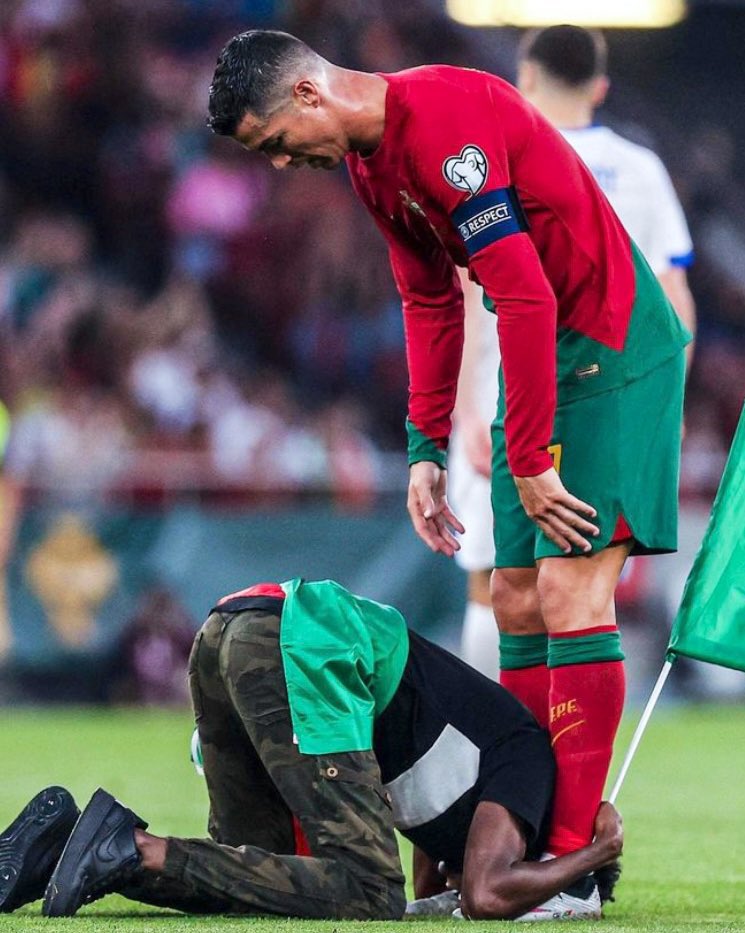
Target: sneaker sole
pixel 555 916
pixel 48 806
pixel 63 894
pixel 566 913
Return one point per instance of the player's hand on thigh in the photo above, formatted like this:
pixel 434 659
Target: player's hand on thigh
pixel 433 519
pixel 556 511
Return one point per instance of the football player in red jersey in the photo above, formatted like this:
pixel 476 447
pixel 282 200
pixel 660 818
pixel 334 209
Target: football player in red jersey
pixel 457 169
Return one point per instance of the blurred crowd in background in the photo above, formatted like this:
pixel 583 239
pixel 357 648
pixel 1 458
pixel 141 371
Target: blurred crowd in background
pixel 163 294
pixel 178 319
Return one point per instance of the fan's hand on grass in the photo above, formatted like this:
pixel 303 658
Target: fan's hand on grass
pixel 433 519
pixel 556 511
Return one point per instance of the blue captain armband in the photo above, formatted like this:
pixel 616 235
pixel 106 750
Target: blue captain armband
pixel 489 217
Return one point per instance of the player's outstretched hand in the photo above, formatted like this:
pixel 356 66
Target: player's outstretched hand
pixel 556 511
pixel 609 830
pixel 432 517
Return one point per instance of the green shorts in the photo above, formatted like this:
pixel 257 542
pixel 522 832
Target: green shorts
pixel 619 451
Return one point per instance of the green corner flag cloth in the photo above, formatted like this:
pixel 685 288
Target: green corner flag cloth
pixel 344 657
pixel 710 625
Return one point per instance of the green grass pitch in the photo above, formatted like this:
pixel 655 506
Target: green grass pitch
pixel 683 804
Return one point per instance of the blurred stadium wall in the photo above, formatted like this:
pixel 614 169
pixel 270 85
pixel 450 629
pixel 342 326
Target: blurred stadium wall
pixel 204 363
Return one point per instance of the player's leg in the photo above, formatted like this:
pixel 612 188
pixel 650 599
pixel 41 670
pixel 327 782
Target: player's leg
pixel 627 468
pixel 469 494
pixel 479 643
pixel 576 597
pixel 587 684
pixel 523 643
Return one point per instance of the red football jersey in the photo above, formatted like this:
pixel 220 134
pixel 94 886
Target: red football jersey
pixel 468 173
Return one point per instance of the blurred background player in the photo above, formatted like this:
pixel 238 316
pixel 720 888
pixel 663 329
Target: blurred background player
pixel 470 477
pixel 561 71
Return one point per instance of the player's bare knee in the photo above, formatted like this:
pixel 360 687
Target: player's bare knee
pixel 515 600
pixel 568 603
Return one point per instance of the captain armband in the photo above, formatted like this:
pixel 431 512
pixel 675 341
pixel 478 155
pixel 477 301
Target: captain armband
pixel 489 217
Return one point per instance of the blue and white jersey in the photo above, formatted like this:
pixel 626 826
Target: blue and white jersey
pixel 639 189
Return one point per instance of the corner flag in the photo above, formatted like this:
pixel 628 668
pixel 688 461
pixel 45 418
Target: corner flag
pixel 710 624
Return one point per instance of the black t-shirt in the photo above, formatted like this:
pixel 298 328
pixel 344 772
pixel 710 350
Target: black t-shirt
pixel 450 738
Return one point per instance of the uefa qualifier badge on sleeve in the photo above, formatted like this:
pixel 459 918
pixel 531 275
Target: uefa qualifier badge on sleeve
pixel 467 171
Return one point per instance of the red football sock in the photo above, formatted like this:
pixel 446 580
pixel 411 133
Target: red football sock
pixel 530 685
pixel 586 703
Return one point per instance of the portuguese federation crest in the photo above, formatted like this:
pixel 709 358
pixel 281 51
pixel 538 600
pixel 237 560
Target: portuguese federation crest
pixel 467 171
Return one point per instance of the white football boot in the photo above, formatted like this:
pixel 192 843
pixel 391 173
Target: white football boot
pixel 581 901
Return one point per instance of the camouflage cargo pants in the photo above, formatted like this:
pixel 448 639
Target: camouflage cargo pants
pixel 256 779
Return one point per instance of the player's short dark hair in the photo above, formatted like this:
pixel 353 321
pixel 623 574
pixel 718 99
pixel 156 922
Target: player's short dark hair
pixel 253 73
pixel 570 54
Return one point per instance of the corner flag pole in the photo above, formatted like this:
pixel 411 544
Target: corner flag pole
pixel 710 623
pixel 639 732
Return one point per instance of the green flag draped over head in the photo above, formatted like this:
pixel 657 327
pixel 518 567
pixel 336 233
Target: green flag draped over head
pixel 343 659
pixel 710 625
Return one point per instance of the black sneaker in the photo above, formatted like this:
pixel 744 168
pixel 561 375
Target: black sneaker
pixel 100 852
pixel 31 845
